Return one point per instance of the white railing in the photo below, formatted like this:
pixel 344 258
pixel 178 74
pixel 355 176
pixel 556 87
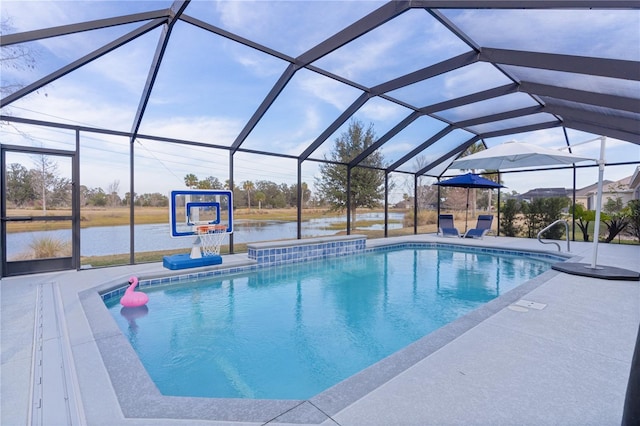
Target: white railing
pixel 566 227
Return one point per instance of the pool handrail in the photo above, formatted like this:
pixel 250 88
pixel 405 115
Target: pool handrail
pixel 566 226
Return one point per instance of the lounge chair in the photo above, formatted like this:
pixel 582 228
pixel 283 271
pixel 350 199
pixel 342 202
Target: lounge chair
pixel 446 228
pixel 482 227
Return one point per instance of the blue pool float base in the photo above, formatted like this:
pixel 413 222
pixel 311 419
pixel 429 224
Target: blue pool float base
pixel 183 261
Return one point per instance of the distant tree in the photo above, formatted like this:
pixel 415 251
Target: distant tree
pixel 19 186
pixel 127 198
pixel 44 177
pixel 273 197
pixel 98 198
pixel 427 195
pixel 583 218
pixel 454 198
pixel 248 187
pixel 191 180
pixel 112 191
pixel 17 57
pixel 152 200
pixel 60 192
pixel 292 199
pixel 366 182
pixel 210 183
pixel 260 197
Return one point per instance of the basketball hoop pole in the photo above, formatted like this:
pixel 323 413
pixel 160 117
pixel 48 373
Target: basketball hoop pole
pixel 195 249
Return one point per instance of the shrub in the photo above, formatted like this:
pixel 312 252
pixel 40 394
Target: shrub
pixel 540 213
pixel 425 217
pixel 634 218
pixel 510 210
pixel 616 217
pixel 47 247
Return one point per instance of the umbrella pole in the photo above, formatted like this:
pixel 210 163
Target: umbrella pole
pixel 596 229
pixel 466 212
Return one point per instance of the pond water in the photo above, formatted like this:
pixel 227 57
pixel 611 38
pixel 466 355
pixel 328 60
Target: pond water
pixel 107 240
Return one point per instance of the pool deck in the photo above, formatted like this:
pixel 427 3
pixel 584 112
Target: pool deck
pixel 555 352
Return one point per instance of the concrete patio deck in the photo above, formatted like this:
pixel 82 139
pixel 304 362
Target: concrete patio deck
pixel 509 363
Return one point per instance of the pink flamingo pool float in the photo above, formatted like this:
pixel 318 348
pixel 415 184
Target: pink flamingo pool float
pixel 132 298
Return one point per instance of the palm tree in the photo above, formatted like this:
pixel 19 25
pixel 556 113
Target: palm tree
pixel 493 176
pixel 475 148
pixel 248 186
pixel 191 180
pixel 260 197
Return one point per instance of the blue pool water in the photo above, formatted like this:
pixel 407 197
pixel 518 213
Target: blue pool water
pixel 292 331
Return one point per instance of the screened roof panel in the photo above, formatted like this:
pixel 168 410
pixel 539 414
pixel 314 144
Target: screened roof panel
pixel 282 25
pixel 585 82
pixel 39 136
pixel 197 100
pixel 408 43
pixel 436 150
pixel 463 81
pixel 512 123
pixel 602 111
pixel 487 107
pixel 106 90
pixel 51 54
pixel 441 168
pixel 410 137
pixel 599 33
pixel 35 15
pixel 380 113
pixel 306 107
pixel 256 168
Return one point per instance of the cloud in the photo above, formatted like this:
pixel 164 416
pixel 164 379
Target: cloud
pixel 327 90
pixel 381 111
pixel 214 130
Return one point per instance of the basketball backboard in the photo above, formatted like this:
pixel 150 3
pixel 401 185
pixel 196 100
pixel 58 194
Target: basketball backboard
pixel 190 208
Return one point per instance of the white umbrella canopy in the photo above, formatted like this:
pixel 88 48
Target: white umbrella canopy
pixel 512 154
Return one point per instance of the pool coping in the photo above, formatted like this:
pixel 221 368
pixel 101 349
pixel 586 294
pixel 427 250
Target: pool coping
pixel 128 376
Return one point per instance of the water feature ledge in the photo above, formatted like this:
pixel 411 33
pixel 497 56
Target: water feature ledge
pixel 290 251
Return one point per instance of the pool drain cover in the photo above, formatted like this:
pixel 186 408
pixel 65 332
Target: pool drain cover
pixel 530 304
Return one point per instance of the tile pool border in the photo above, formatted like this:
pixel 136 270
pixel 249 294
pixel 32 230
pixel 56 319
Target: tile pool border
pixel 221 271
pixel 128 375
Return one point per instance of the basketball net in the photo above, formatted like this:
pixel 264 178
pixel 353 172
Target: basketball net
pixel 211 237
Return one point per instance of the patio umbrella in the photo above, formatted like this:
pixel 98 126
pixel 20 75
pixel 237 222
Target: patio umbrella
pixel 514 154
pixel 468 181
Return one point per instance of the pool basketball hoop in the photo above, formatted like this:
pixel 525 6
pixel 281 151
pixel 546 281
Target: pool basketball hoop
pixel 206 216
pixel 211 237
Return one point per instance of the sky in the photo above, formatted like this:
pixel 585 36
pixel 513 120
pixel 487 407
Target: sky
pixel 208 87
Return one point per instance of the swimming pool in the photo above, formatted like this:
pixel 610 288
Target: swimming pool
pixel 292 331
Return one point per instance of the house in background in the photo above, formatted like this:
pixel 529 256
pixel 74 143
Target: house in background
pixel 586 195
pixel 536 193
pixel 634 184
pixel 626 189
